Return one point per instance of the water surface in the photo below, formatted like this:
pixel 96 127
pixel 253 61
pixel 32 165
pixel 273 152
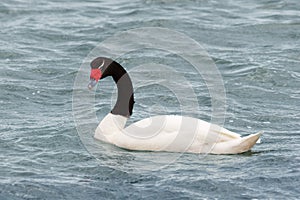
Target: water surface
pixel 255 46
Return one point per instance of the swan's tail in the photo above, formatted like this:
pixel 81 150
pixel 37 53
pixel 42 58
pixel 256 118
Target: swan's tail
pixel 235 146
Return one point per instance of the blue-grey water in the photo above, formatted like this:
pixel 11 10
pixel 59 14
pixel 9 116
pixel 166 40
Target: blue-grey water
pixel 255 45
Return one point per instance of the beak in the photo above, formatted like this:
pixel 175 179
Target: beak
pixel 94 77
pixel 92 83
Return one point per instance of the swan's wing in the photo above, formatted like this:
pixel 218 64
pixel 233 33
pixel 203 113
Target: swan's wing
pixel 159 133
pixel 171 133
pixel 156 125
pixel 164 124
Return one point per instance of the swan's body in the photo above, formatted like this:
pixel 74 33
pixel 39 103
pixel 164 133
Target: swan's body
pixel 174 134
pixel 162 133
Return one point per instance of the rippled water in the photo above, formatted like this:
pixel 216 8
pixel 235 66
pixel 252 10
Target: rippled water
pixel 255 45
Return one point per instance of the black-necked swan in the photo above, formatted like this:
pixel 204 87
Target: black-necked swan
pixel 159 133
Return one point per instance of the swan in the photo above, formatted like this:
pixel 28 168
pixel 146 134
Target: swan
pixel 170 133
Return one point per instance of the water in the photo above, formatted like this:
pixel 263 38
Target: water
pixel 255 46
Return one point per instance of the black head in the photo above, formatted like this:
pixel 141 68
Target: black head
pixel 102 67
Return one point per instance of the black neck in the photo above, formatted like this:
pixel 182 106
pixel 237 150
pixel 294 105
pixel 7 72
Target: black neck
pixel 125 100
